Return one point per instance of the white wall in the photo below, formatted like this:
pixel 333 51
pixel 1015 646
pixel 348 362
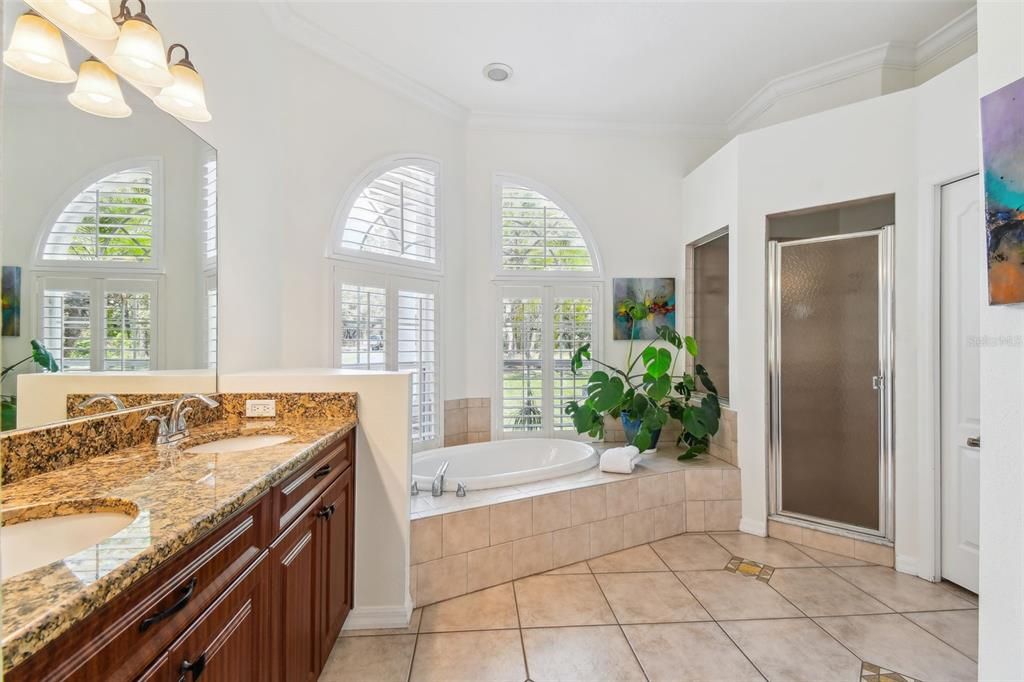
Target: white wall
pixel 1001 641
pixel 865 149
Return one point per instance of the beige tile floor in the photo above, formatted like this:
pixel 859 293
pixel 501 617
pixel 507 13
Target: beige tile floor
pixel 670 610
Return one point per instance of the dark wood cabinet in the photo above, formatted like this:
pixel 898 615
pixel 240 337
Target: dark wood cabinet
pixel 239 604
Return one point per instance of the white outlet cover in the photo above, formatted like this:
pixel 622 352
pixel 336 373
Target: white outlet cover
pixel 260 408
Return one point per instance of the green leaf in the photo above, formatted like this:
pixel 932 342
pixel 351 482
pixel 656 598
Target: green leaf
pixel 657 361
pixel 642 440
pixel 710 403
pixel 667 333
pixel 657 387
pixel 603 392
pixel 42 357
pixel 691 345
pixel 702 374
pixel 693 423
pixel 583 418
pixel 577 358
pixel 655 418
pixel 693 451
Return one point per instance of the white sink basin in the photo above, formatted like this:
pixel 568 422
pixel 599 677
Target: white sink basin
pixel 237 444
pixel 28 545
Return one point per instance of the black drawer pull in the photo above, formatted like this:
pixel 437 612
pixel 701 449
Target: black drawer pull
pixel 326 512
pixel 322 471
pixel 195 667
pixel 172 609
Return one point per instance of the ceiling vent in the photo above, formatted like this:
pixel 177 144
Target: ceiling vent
pixel 498 72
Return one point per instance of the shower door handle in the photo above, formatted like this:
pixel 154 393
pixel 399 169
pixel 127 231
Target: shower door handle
pixel 974 442
pixel 877 383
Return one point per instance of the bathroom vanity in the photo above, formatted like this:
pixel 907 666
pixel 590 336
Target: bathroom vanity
pixel 245 571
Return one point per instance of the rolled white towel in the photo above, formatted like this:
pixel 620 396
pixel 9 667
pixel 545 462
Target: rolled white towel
pixel 619 460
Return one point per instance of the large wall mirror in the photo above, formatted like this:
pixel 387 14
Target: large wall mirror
pixel 109 253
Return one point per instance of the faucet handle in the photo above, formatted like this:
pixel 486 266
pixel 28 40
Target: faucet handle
pixel 415 489
pixel 460 490
pixel 182 425
pixel 162 426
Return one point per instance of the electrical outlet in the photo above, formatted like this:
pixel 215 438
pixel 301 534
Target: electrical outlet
pixel 260 408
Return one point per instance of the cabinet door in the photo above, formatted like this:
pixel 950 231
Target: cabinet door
pixel 296 611
pixel 337 554
pixel 228 642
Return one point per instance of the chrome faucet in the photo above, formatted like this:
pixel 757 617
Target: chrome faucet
pixel 437 487
pixel 91 400
pixel 174 427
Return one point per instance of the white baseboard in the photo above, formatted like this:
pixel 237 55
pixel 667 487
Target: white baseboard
pixel 906 564
pixel 754 526
pixel 379 617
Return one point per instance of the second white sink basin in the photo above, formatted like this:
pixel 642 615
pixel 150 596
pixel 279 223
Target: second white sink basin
pixel 238 444
pixel 28 545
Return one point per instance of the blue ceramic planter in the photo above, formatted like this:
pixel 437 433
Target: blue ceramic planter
pixel 631 426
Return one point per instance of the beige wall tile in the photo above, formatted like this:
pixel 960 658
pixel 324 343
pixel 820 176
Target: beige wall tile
pixel 478 418
pixel 876 554
pixel 425 541
pixel 551 512
pixel 441 579
pixel 722 515
pixel 704 484
pixel 623 497
pixel 694 517
pixel 653 491
pixel 456 439
pixel 466 530
pixel 675 490
pixel 479 437
pixel 511 521
pixel 589 504
pixel 570 545
pixel 413 575
pixel 669 520
pixel 606 536
pixel 731 484
pixel 452 404
pixel 455 421
pixel 531 555
pixel 786 531
pixel 489 566
pixel 837 544
pixel 638 528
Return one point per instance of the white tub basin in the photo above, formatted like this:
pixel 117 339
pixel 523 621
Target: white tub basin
pixel 238 444
pixel 31 544
pixel 503 462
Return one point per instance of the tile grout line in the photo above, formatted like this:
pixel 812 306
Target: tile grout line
pixel 415 646
pixel 929 632
pixel 618 624
pixel 519 627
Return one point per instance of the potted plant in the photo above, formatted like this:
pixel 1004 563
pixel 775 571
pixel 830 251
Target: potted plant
pixel 649 392
pixel 9 403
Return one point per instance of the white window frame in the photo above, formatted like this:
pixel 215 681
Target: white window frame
pixel 547 291
pixel 155 166
pixel 98 286
pixel 392 284
pixel 497 195
pixel 415 268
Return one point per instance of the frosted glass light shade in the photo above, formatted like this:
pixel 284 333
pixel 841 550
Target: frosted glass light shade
pixel 98 92
pixel 90 17
pixel 37 50
pixel 139 54
pixel 185 98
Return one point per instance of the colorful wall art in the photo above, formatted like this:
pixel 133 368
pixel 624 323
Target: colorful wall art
pixel 10 293
pixel 1002 132
pixel 657 294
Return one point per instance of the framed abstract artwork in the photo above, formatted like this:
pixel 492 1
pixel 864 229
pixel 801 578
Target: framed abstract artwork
pixel 10 288
pixel 1002 138
pixel 657 294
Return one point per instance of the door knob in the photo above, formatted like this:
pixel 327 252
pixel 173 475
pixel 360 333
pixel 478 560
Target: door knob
pixel 974 442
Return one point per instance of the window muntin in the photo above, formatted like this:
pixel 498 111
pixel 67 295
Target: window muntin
pixel 110 221
pixel 128 332
pixel 709 324
pixel 361 316
pixel 538 235
pixel 541 327
pixel 67 327
pixel 395 215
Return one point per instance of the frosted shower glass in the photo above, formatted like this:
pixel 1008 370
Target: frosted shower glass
pixel 828 352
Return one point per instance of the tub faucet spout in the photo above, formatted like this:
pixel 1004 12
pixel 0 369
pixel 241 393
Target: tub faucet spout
pixel 437 487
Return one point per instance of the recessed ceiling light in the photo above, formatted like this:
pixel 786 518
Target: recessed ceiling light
pixel 498 72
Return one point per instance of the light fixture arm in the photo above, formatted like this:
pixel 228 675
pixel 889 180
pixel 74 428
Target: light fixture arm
pixel 124 14
pixel 184 61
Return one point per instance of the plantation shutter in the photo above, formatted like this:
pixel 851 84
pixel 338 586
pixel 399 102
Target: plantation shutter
pixel 211 321
pixel 208 210
pixel 128 332
pixel 416 353
pixel 361 316
pixel 573 323
pixel 66 326
pixel 522 371
pixel 395 215
pixel 537 234
pixel 110 221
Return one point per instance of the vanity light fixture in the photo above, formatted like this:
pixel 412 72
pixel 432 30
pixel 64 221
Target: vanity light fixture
pixel 98 92
pixel 139 53
pixel 37 50
pixel 185 98
pixel 91 18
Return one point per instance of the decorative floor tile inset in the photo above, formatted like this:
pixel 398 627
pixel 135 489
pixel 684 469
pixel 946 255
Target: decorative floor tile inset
pixel 750 568
pixel 869 672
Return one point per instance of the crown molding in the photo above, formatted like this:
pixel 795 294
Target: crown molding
pixel 315 38
pixel 502 122
pixel 898 55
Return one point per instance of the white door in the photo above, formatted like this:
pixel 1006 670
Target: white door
pixel 962 295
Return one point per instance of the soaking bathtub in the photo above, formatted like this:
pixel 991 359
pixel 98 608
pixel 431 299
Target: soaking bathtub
pixel 503 462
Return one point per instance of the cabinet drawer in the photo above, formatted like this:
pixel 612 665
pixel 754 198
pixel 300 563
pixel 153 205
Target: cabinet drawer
pixel 117 642
pixel 302 488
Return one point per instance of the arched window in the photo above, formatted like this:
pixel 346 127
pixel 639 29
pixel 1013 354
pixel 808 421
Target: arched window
pixel 548 305
pixel 96 312
pixel 393 214
pixel 539 235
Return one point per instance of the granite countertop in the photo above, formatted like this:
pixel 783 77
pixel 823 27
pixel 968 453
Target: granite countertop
pixel 177 498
